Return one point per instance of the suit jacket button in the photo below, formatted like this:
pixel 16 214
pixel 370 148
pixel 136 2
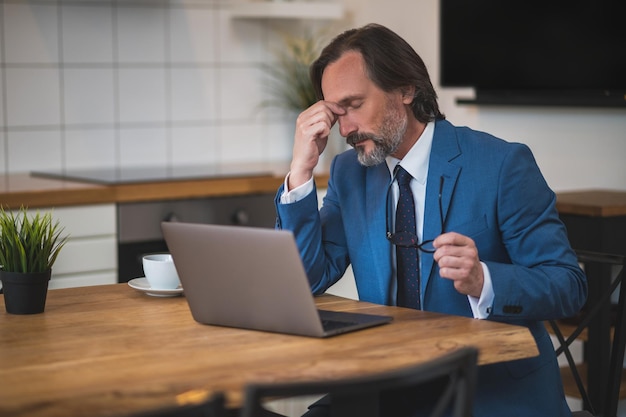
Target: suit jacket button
pixel 512 309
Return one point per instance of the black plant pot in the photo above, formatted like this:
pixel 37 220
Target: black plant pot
pixel 25 293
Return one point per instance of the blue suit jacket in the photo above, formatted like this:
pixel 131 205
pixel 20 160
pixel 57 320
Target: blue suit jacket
pixel 494 193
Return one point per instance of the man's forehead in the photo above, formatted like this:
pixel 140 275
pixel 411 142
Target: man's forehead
pixel 345 79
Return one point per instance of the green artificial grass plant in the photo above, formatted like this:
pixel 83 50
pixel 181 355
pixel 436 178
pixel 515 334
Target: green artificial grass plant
pixel 288 81
pixel 29 243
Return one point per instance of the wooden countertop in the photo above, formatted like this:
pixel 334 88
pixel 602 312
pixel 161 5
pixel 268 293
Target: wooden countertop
pixel 594 203
pixel 25 190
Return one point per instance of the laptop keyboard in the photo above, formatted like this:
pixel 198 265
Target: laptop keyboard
pixel 335 324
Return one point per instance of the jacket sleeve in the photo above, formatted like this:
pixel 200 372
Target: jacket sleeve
pixel 543 279
pixel 319 237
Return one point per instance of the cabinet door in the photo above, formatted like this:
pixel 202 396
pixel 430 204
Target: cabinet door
pixel 90 255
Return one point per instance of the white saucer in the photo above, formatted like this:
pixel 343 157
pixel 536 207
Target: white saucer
pixel 142 285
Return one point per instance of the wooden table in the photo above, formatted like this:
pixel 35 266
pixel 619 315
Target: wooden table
pixel 596 221
pixel 111 350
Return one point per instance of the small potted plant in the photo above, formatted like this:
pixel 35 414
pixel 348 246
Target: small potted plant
pixel 29 246
pixel 288 81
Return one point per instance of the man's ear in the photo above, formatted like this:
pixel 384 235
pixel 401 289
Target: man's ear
pixel 408 94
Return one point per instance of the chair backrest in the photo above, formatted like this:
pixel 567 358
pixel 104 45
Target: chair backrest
pixel 211 407
pixel 600 392
pixel 360 396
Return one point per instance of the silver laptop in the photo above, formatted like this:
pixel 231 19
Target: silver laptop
pixel 251 278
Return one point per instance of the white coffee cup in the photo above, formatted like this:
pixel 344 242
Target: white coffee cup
pixel 160 271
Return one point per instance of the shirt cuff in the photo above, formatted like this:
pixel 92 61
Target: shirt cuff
pixel 298 193
pixel 481 307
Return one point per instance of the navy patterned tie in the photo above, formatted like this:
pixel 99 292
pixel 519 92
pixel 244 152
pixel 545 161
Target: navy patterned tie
pixel 407 258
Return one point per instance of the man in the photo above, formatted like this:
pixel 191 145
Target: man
pixel 498 250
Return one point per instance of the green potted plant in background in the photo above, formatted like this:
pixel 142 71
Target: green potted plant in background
pixel 29 246
pixel 288 82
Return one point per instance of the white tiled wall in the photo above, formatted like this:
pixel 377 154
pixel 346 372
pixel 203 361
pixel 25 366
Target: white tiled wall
pixel 94 83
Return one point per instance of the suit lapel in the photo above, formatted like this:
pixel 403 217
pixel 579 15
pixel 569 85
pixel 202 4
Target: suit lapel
pixel 445 149
pixel 376 185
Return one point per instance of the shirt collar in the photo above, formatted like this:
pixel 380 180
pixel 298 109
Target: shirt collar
pixel 416 160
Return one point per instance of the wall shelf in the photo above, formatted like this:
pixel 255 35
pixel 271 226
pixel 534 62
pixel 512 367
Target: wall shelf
pixel 286 10
pixel 564 98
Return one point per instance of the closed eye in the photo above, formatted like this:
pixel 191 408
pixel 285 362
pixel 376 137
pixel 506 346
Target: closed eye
pixel 351 103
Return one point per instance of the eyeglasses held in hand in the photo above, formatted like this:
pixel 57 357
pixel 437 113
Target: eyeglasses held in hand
pixel 408 239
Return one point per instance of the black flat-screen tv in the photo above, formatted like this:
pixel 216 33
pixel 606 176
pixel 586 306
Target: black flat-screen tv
pixel 543 52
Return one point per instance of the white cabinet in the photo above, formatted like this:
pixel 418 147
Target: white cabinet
pixel 90 255
pixel 286 10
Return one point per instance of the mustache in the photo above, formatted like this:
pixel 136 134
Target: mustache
pixel 354 138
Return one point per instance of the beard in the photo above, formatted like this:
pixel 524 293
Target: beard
pixel 392 130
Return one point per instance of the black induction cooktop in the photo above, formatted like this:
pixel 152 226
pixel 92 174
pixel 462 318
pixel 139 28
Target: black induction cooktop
pixel 129 175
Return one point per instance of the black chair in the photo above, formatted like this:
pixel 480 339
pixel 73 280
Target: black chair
pixel 360 396
pixel 212 407
pixel 600 391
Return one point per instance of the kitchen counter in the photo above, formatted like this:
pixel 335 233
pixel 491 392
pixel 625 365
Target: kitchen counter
pixel 109 222
pixel 23 190
pixel 34 191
